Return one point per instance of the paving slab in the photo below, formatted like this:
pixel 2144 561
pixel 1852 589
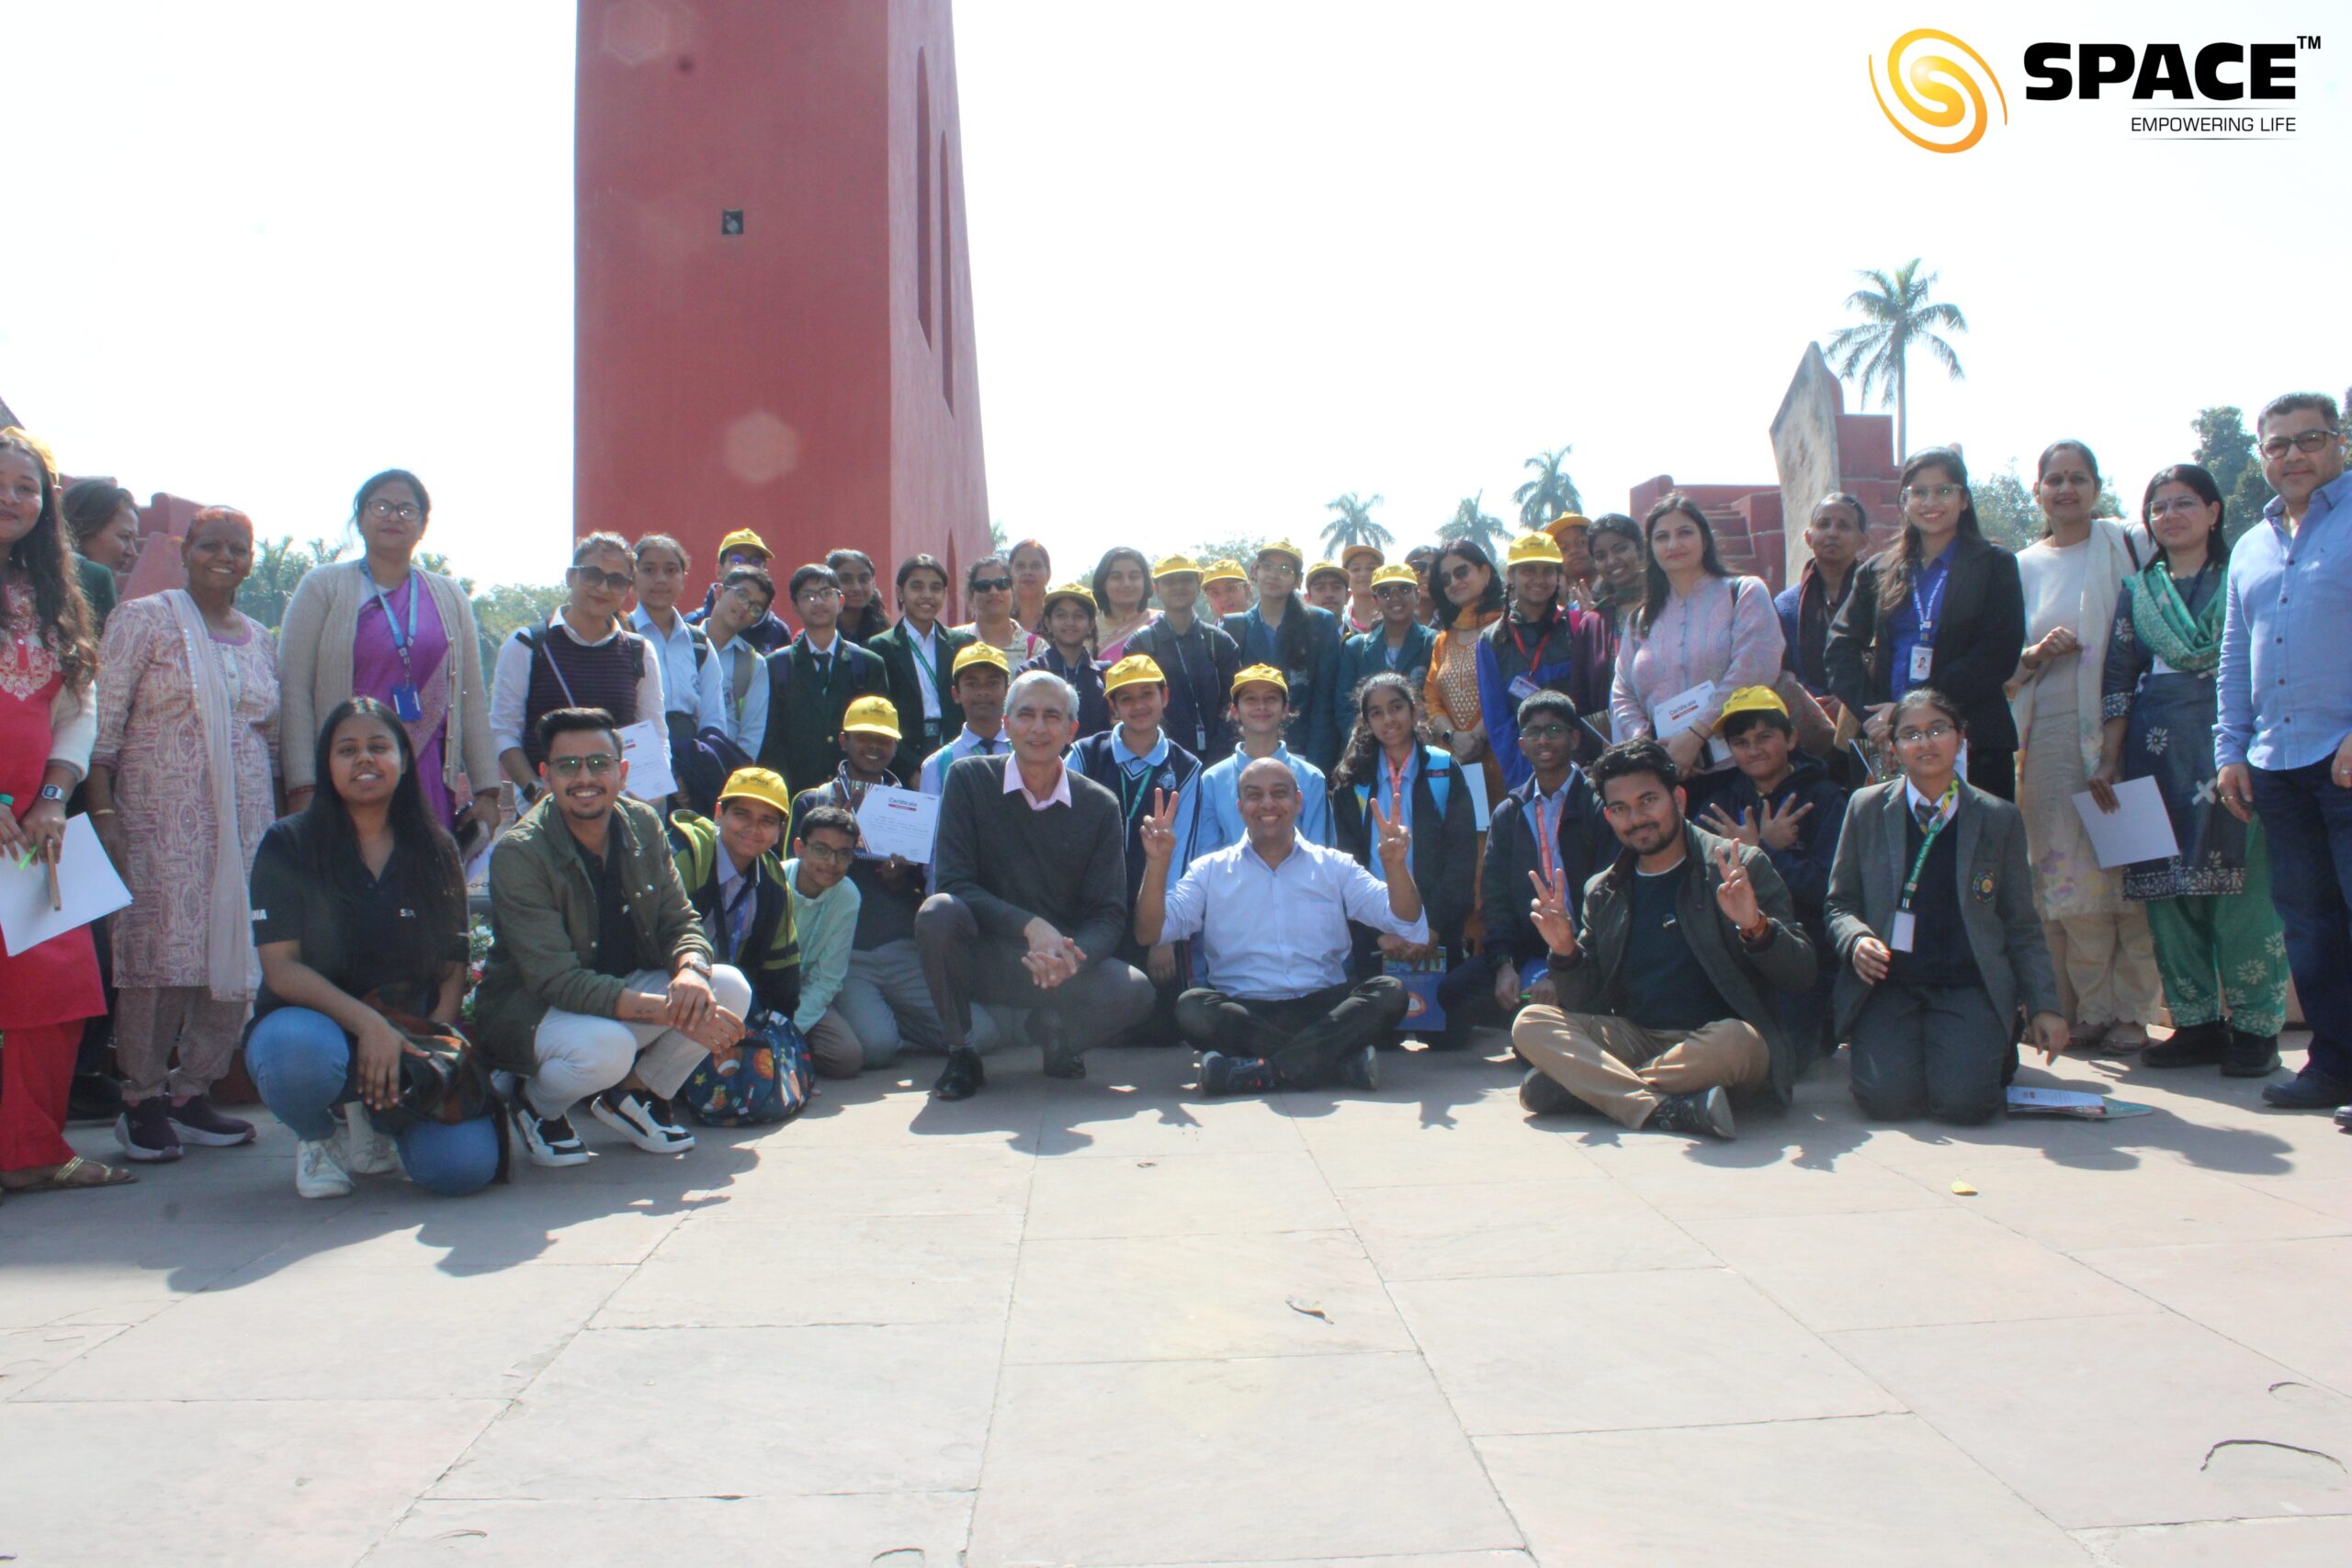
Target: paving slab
pixel 903 1529
pixel 1472 1230
pixel 745 1273
pixel 2238 1543
pixel 2283 1299
pixel 1182 1195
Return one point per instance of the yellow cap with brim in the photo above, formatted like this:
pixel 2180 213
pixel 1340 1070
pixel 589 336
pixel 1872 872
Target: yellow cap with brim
pixel 1283 548
pixel 760 785
pixel 979 653
pixel 1135 669
pixel 1398 573
pixel 1321 567
pixel 1348 556
pixel 744 539
pixel 1225 571
pixel 872 715
pixel 1176 566
pixel 1260 675
pixel 1534 549
pixel 1078 591
pixel 1560 527
pixel 1752 699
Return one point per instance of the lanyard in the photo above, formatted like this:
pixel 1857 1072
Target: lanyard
pixel 1543 635
pixel 745 886
pixel 401 641
pixel 1927 843
pixel 1141 777
pixel 1201 705
pixel 926 664
pixel 1925 610
pixel 1400 803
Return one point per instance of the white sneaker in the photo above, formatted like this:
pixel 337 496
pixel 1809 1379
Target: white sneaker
pixel 363 1149
pixel 317 1172
pixel 647 1123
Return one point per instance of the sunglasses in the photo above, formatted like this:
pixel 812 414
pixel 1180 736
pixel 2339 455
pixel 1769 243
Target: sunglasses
pixel 1459 571
pixel 598 764
pixel 992 585
pixel 613 581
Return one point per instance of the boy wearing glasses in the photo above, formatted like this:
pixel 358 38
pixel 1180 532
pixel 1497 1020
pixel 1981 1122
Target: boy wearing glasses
pixel 582 657
pixel 825 903
pixel 2284 743
pixel 600 981
pixel 812 682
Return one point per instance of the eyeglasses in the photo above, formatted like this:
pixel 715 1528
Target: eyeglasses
pixel 1395 590
pixel 1930 492
pixel 992 585
pixel 1545 732
pixel 598 764
pixel 2076 476
pixel 819 591
pixel 826 853
pixel 1914 737
pixel 2178 506
pixel 403 509
pixel 615 581
pixel 2301 441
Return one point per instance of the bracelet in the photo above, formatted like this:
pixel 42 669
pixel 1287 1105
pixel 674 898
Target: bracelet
pixel 100 811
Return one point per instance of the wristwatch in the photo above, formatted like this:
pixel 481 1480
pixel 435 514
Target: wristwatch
pixel 696 962
pixel 52 792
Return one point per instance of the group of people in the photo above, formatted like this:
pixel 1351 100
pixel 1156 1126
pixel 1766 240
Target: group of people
pixel 1680 838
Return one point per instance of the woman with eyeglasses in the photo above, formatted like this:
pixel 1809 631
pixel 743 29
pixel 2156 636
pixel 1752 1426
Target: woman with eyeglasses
pixel 383 626
pixel 1699 625
pixel 1941 609
pixel 2219 947
pixel 1931 911
pixel 584 657
pixel 2073 578
pixel 1464 577
pixel 989 583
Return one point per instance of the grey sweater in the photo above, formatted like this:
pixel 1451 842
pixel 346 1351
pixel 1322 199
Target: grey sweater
pixel 1011 865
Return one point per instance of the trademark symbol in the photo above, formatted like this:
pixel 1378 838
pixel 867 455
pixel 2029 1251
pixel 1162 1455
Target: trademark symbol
pixel 2307 40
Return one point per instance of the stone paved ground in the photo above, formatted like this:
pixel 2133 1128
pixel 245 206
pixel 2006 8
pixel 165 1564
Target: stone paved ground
pixel 1108 1323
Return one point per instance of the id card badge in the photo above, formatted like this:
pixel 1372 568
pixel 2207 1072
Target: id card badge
pixel 1900 941
pixel 405 704
pixel 1524 687
pixel 1923 658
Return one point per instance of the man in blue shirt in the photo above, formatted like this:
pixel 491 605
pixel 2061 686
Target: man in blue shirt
pixel 2284 742
pixel 1276 1007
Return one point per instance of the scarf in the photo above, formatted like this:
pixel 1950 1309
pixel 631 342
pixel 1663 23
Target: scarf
pixel 2160 618
pixel 2114 559
pixel 234 967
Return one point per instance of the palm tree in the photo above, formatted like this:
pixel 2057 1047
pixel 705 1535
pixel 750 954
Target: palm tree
pixel 1896 314
pixel 1354 525
pixel 1470 522
pixel 1551 494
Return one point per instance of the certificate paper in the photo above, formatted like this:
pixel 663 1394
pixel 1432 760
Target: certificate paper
pixel 2138 829
pixel 901 822
pixel 645 747
pixel 1680 712
pixel 86 886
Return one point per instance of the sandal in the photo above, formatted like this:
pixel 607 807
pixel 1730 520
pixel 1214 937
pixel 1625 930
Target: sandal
pixel 72 1176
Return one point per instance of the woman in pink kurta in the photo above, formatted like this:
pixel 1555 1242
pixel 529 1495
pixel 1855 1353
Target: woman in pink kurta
pixel 185 682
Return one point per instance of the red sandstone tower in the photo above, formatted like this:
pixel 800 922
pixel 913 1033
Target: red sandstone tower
pixel 774 317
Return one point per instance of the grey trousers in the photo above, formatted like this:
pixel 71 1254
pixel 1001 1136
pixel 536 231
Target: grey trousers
pixel 963 968
pixel 885 1004
pixel 1936 1051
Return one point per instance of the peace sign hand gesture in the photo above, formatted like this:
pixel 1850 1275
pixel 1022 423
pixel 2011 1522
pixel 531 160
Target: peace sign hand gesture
pixel 1735 895
pixel 1395 844
pixel 1158 827
pixel 1549 909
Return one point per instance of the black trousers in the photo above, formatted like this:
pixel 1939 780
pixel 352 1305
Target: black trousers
pixel 961 968
pixel 1303 1037
pixel 1934 1050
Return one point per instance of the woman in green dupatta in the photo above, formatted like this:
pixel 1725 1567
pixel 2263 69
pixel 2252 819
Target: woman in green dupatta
pixel 2219 944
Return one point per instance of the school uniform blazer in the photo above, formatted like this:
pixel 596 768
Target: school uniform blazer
pixel 1445 844
pixel 1367 654
pixel 905 684
pixel 1995 895
pixel 1980 631
pixel 1586 848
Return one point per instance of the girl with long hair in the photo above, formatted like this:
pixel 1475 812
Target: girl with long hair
pixel 359 911
pixel 1123 593
pixel 102 520
pixel 1422 786
pixel 1300 639
pixel 1465 578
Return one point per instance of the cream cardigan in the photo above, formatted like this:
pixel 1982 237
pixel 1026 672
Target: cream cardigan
pixel 314 664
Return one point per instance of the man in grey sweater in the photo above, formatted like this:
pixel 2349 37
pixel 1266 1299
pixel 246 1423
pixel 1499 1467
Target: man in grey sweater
pixel 1031 860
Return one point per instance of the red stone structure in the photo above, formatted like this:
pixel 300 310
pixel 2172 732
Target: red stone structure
pixel 774 311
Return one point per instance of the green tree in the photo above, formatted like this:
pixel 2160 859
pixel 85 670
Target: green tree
pixel 1897 316
pixel 505 608
pixel 279 566
pixel 1472 522
pixel 1354 525
pixel 2010 516
pixel 1242 548
pixel 1551 494
pixel 998 539
pixel 2225 450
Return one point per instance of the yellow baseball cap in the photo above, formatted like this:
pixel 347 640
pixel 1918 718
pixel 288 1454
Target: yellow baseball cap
pixel 1320 567
pixel 1398 572
pixel 871 716
pixel 1225 571
pixel 1566 521
pixel 1283 548
pixel 1260 675
pixel 986 653
pixel 744 539
pixel 1348 556
pixel 1135 669
pixel 1176 566
pixel 1534 549
pixel 760 785
pixel 1078 591
pixel 1752 699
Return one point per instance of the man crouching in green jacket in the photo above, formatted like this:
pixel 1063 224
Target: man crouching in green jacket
pixel 600 981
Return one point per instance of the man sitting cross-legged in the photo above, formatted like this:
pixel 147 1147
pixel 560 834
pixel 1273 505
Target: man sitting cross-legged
pixel 1671 999
pixel 1273 915
pixel 599 980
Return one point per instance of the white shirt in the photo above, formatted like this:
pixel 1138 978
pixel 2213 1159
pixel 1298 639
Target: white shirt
pixel 1272 932
pixel 1943 809
pixel 692 688
pixel 970 744
pixel 510 688
pixel 926 664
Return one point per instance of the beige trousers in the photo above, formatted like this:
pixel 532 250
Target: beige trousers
pixel 154 1024
pixel 1622 1070
pixel 2106 967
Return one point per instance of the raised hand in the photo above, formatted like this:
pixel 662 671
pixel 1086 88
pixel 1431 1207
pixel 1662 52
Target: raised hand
pixel 1718 821
pixel 1777 827
pixel 1735 895
pixel 1158 826
pixel 1549 910
pixel 1395 844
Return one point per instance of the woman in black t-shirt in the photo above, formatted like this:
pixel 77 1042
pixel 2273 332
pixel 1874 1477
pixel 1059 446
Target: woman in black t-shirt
pixel 359 902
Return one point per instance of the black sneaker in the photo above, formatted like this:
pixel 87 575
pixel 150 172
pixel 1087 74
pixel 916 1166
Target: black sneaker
pixel 546 1140
pixel 643 1119
pixel 1062 1062
pixel 145 1131
pixel 1221 1074
pixel 1704 1114
pixel 2192 1045
pixel 1359 1069
pixel 2308 1091
pixel 197 1121
pixel 2249 1056
pixel 963 1077
pixel 1541 1095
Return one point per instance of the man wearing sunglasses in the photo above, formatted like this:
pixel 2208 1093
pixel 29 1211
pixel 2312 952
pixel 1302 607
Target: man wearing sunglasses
pixel 600 982
pixel 2284 743
pixel 584 657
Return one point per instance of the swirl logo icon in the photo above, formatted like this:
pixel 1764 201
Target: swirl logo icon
pixel 1943 98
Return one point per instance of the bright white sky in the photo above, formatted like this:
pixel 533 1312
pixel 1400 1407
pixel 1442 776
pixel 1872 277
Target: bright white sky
pixel 1230 259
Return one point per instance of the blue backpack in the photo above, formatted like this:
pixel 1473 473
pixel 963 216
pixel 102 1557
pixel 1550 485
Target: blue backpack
pixel 770 1080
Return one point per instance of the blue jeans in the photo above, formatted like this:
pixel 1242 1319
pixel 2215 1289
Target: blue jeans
pixel 2309 820
pixel 301 1063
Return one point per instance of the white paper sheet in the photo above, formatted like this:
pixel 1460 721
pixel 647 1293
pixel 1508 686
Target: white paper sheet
pixel 86 886
pixel 2137 829
pixel 902 822
pixel 1474 775
pixel 645 746
pixel 1679 712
